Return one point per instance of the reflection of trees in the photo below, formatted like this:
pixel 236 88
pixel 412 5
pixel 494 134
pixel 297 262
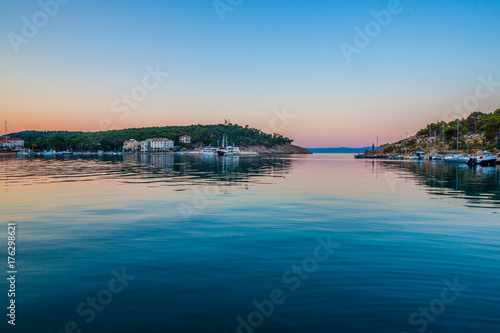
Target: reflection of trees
pixel 479 185
pixel 205 168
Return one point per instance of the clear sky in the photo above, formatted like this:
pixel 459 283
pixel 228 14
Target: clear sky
pixel 73 67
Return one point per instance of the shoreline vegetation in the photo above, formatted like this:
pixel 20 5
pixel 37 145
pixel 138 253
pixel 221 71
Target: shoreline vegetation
pixel 478 132
pixel 250 140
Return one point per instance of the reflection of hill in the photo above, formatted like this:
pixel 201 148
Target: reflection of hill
pixel 158 169
pixel 196 167
pixel 477 185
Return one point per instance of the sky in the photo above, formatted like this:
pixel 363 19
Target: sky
pixel 324 73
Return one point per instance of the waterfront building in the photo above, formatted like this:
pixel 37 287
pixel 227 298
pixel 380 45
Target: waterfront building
pixel 11 142
pixel 185 139
pixel 156 144
pixel 131 144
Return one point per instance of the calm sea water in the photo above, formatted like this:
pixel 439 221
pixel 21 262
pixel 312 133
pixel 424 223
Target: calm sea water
pixel 319 243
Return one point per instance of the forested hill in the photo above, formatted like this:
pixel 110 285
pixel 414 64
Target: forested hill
pixel 479 131
pixel 113 139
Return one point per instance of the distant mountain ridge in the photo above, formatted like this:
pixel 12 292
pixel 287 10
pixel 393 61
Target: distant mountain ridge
pixel 340 150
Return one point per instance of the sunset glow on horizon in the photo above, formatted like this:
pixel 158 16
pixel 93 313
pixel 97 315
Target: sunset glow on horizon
pixel 120 64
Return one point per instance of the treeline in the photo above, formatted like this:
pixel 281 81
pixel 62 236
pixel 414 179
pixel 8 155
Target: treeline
pixel 202 135
pixel 479 131
pixel 486 124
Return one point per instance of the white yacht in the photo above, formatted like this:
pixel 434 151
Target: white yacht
pixel 484 158
pixel 209 150
pixel 456 158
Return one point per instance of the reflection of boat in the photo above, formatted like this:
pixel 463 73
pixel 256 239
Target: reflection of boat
pixel 483 158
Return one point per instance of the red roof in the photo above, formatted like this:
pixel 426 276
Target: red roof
pixel 10 139
pixel 185 136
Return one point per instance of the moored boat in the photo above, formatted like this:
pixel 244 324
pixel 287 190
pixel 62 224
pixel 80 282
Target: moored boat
pixel 456 158
pixel 209 150
pixel 483 158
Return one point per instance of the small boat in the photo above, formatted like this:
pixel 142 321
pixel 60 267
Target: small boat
pixel 484 158
pixel 456 158
pixel 420 155
pixel 24 152
pixel 209 150
pixel 437 157
pixel 50 152
pixel 6 151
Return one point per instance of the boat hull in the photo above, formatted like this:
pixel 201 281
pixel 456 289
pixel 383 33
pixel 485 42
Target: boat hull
pixel 484 162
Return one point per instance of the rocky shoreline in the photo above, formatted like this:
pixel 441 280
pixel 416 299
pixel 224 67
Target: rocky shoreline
pixel 281 149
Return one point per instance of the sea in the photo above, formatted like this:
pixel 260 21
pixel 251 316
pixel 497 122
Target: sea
pixel 268 243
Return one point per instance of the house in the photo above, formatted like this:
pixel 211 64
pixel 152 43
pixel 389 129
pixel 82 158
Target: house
pixel 157 144
pixel 11 142
pixel 145 145
pixel 131 144
pixel 185 139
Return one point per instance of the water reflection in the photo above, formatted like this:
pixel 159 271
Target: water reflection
pixel 160 169
pixel 479 186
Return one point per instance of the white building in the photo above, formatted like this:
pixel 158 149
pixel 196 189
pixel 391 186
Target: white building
pixel 157 144
pixel 185 139
pixel 145 146
pixel 12 142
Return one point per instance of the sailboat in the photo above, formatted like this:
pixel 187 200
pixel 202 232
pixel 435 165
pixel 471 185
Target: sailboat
pixel 457 158
pixel 6 149
pixel 226 149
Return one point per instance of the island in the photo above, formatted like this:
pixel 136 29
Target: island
pixel 167 138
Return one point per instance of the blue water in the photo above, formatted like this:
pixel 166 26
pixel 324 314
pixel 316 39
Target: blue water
pixel 203 240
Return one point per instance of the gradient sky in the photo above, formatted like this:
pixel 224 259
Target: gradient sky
pixel 263 56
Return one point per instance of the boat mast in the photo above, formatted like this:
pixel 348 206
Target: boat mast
pixel 458 132
pixel 443 141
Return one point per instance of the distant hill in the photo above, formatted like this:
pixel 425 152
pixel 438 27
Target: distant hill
pixel 340 150
pixel 113 139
